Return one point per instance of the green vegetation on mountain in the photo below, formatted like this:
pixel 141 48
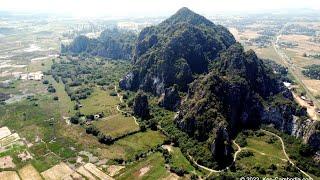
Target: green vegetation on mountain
pixel 224 89
pixel 112 43
pixel 174 51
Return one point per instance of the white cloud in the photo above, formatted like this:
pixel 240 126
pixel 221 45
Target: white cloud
pixel 150 7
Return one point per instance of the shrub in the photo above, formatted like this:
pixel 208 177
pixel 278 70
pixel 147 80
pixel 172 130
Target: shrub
pixel 272 140
pixel 241 140
pixel 153 125
pixel 92 130
pixel 56 98
pixel 305 150
pixel 143 127
pixel 245 153
pixel 105 139
pixel 113 93
pixel 51 89
pixel 74 119
pixel 45 82
pixel 178 170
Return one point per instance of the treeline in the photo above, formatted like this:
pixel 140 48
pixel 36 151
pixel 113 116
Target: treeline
pixel 312 71
pixel 112 43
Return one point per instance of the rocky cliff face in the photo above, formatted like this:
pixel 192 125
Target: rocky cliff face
pixel 170 99
pixel 232 97
pixel 284 118
pixel 141 106
pixel 221 148
pixel 171 52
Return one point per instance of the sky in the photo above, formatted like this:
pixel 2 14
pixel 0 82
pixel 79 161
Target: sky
pixel 152 8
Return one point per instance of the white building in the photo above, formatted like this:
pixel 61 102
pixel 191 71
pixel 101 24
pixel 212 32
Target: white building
pixel 37 76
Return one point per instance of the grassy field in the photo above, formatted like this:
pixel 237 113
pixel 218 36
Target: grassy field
pixel 150 168
pixel 268 53
pixel 116 125
pixel 259 144
pixel 179 160
pixel 30 117
pixel 266 151
pixel 66 106
pixel 100 101
pixel 129 146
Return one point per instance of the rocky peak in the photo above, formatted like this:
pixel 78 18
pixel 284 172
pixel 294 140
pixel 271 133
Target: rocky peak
pixel 141 105
pixel 171 52
pixel 185 15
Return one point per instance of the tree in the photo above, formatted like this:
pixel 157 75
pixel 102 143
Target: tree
pixel 304 54
pixel 105 139
pixel 305 150
pixel 143 127
pixel 74 119
pixel 45 82
pixel 24 116
pixel 153 125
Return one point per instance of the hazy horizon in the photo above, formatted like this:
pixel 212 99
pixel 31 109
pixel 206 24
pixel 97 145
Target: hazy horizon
pixel 148 8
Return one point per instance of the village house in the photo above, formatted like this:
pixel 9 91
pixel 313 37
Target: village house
pixel 37 76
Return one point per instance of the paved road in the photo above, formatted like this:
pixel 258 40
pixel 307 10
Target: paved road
pixel 285 153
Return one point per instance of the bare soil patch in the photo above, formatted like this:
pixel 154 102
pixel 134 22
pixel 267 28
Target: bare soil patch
pixel 313 86
pixel 6 162
pixel 95 171
pixel 57 172
pixel 167 147
pixel 85 173
pixel 311 110
pixel 172 176
pixel 28 172
pixel 144 170
pixel 9 175
pixel 4 131
pixel 114 169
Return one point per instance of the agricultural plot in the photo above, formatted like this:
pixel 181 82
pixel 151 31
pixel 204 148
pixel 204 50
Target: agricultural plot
pixel 28 172
pixel 9 175
pixel 116 125
pixel 99 101
pixel 57 172
pixel 150 168
pixel 126 148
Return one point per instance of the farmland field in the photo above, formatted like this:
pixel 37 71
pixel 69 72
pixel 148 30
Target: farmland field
pixel 116 125
pixel 150 168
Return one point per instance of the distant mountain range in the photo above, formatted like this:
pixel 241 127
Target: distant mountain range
pixel 112 43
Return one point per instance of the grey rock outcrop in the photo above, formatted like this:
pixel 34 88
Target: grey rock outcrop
pixel 170 99
pixel 141 106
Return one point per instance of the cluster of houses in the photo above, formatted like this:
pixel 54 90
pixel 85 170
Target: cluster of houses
pixel 37 76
